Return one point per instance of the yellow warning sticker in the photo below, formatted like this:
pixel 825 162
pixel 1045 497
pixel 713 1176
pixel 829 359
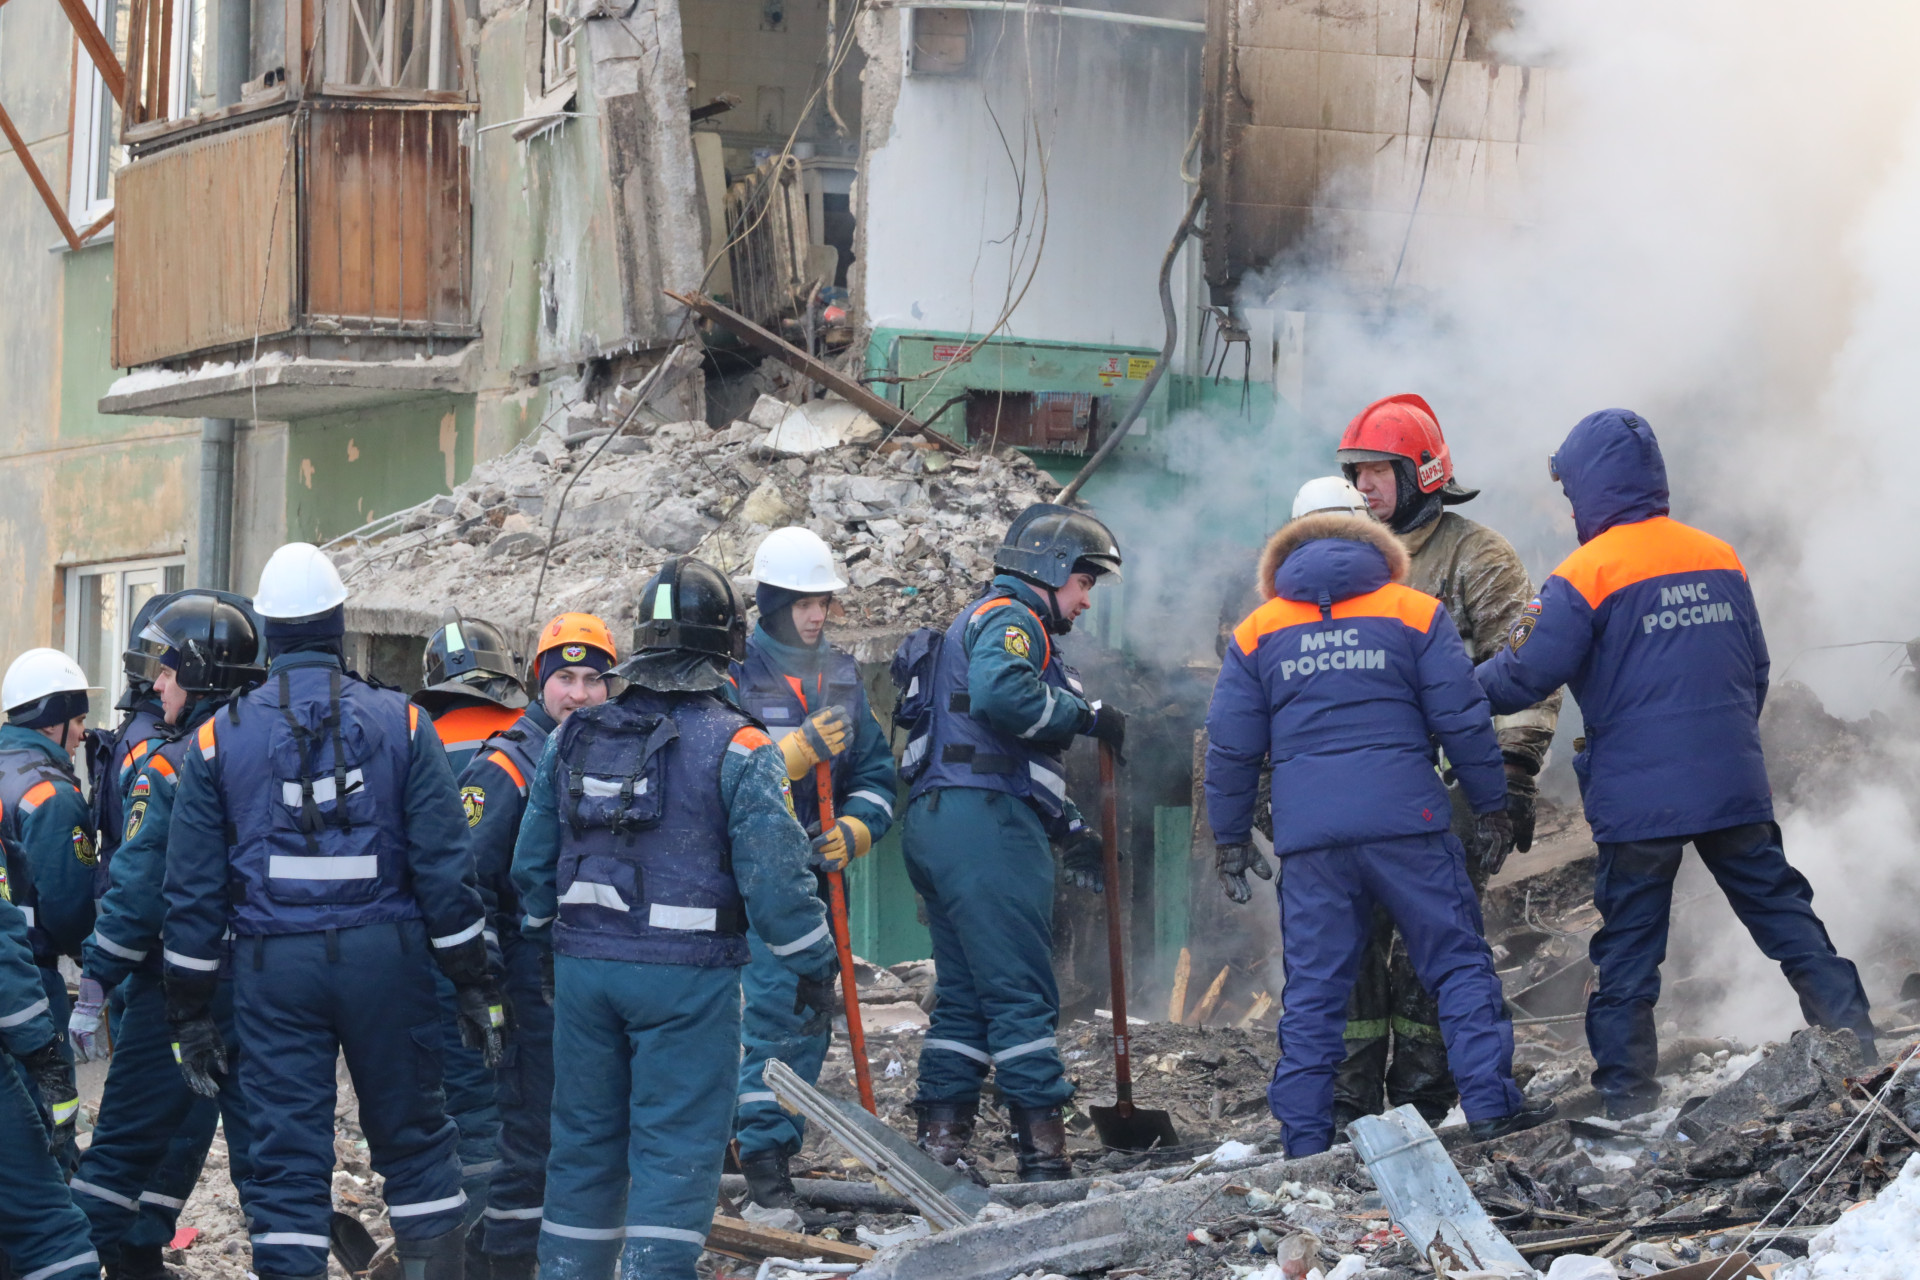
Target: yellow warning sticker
pixel 1140 368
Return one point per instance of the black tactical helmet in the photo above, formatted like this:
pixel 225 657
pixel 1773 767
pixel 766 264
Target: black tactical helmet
pixel 1048 543
pixel 470 651
pixel 212 636
pixel 138 686
pixel 690 605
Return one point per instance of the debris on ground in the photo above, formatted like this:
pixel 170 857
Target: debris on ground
pixel 1877 1241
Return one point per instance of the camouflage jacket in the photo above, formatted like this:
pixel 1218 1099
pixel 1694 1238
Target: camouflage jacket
pixel 1477 574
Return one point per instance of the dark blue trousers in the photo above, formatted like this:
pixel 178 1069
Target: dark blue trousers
pixel 769 1028
pixel 1633 890
pixel 981 862
pixel 525 1083
pixel 300 1001
pixel 42 1232
pixel 471 1102
pixel 1327 898
pixel 153 1132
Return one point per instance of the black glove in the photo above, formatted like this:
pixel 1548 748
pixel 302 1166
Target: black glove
pixel 1110 726
pixel 1522 797
pixel 52 1074
pixel 1233 862
pixel 818 994
pixel 483 1020
pixel 546 976
pixel 201 1053
pixel 1083 859
pixel 1492 841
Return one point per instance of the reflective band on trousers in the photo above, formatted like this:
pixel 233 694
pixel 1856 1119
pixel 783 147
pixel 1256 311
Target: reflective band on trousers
pixel 290 1237
pixel 101 1193
pixel 287 866
pixel 800 944
pixel 113 948
pixel 954 1046
pixel 89 1258
pixel 323 789
pixel 623 1233
pixel 27 1014
pixel 511 1215
pixel 165 1202
pixel 1031 1046
pixel 414 1210
pixel 757 1096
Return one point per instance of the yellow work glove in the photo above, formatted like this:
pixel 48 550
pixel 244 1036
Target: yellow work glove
pixel 826 734
pixel 845 840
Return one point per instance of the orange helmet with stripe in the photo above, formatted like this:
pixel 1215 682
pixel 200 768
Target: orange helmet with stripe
pixel 573 634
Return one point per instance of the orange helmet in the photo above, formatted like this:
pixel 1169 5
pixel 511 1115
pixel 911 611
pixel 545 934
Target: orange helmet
pixel 573 634
pixel 1404 428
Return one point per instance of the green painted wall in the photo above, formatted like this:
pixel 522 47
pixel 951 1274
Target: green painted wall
pixel 345 469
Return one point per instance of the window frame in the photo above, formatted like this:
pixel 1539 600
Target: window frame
pixel 113 678
pixel 91 100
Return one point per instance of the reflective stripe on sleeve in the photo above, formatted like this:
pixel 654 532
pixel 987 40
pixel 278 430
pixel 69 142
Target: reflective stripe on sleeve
pixel 954 1046
pixel 188 962
pixel 27 1014
pixel 419 1207
pixel 455 939
pixel 165 1202
pixel 800 944
pixel 535 922
pixel 884 803
pixel 113 948
pixel 758 1095
pixel 101 1193
pixel 1046 714
pixel 1047 778
pixel 1031 1046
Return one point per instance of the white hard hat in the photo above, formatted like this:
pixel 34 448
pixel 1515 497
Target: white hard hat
pixel 1328 493
pixel 299 581
pixel 37 673
pixel 798 560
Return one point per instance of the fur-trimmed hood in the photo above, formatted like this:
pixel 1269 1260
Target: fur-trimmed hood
pixel 1352 555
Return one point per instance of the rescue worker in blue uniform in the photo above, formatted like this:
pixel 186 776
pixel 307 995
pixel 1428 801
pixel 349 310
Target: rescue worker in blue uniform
pixel 317 819
pixel 1345 679
pixel 570 663
pixel 989 793
pixel 46 825
pixel 1652 626
pixel 43 1234
pixel 153 1130
pixel 658 830
pixel 809 696
pixel 109 754
pixel 472 692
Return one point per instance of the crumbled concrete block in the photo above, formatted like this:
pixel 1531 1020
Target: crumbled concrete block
pixel 1790 1078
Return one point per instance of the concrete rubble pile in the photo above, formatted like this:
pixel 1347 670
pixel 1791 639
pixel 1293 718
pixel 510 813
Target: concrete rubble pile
pixel 915 527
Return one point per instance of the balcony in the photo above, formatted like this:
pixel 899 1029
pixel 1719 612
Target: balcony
pixel 300 252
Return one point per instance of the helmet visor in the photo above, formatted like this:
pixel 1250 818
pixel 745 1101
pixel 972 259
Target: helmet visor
pixel 1553 466
pixel 146 658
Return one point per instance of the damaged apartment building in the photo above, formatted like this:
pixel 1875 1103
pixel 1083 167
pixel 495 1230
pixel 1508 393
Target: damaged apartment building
pixel 287 269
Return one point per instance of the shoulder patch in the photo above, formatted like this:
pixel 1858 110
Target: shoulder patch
pixel 83 847
pixel 786 793
pixel 752 739
pixel 1015 642
pixel 142 787
pixel 474 801
pixel 1522 629
pixel 135 816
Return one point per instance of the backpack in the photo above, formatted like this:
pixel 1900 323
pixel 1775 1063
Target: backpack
pixel 912 671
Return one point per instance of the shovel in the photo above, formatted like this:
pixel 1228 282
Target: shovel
pixel 1122 1126
pixel 843 944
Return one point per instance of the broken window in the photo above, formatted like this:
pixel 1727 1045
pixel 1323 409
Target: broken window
pixel 556 54
pixel 1045 421
pixel 391 44
pixel 942 41
pixel 102 602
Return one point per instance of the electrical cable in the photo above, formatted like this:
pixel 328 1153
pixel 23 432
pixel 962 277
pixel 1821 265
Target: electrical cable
pixel 1433 129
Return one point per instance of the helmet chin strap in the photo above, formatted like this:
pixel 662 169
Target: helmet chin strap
pixel 1057 622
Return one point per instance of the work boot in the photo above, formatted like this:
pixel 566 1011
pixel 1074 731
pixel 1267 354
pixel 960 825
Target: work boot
pixel 1525 1118
pixel 1040 1135
pixel 479 1263
pixel 137 1262
pixel 768 1183
pixel 1625 1106
pixel 444 1257
pixel 943 1129
pixel 513 1266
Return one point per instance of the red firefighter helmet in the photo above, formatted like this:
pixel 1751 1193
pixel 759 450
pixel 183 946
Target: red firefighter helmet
pixel 1404 427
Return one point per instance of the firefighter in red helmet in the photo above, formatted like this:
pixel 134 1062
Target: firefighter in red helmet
pixel 1395 454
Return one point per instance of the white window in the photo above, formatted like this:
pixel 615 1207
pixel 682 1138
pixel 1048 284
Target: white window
pixel 102 601
pixel 391 44
pixel 97 150
pixel 557 50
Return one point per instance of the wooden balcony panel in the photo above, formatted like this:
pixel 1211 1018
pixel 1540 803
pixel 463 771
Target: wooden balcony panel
pixel 204 254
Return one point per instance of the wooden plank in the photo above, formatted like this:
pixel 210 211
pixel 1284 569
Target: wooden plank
pixel 1182 974
pixel 744 1240
pixel 1210 1001
pixel 1255 1016
pixel 884 411
pixel 39 180
pixel 99 49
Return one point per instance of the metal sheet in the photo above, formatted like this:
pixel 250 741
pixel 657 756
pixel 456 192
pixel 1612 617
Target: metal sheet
pixel 1425 1194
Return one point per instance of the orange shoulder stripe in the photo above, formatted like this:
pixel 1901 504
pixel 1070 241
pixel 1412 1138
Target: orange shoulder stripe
pixel 205 737
pixel 413 718
pixel 1046 640
pixel 160 765
pixel 1414 608
pixel 475 725
pixel 140 749
pixel 37 795
pixel 752 739
pixel 1632 553
pixel 508 767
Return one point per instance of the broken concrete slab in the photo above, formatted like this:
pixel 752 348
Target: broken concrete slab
pixel 1815 1062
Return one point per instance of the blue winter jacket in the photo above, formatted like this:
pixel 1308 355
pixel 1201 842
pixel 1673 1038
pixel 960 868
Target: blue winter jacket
pixel 1653 627
pixel 1346 679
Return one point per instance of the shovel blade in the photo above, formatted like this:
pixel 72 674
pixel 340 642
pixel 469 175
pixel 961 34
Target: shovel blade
pixel 1130 1128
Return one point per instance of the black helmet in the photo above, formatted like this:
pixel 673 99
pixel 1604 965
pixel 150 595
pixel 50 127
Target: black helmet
pixel 138 686
pixel 214 641
pixel 1048 543
pixel 690 605
pixel 470 651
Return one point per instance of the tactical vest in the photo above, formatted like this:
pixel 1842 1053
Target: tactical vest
pixel 519 747
pixel 771 697
pixel 141 733
pixel 21 772
pixel 168 756
pixel 646 868
pixel 957 750
pixel 313 769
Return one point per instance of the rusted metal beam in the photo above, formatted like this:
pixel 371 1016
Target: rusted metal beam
pixel 99 48
pixel 771 344
pixel 38 179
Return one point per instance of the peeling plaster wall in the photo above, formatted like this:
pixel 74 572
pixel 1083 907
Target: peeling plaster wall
pixel 345 469
pixel 1114 107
